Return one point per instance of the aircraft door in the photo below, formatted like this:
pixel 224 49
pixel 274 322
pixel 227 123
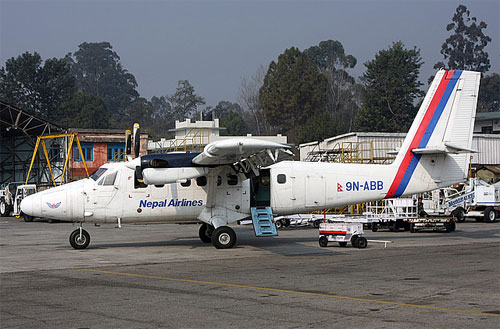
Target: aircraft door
pixel 315 191
pixel 283 189
pixel 261 189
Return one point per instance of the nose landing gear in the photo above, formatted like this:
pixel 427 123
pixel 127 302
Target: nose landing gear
pixel 79 238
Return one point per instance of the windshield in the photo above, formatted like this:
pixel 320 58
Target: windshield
pixel 98 173
pixel 30 191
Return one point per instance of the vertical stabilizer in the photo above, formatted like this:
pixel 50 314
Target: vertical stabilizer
pixel 435 152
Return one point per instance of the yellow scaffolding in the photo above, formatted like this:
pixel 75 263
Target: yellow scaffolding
pixel 41 139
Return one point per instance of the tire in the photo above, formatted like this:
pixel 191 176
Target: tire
pixel 343 244
pixel 323 241
pixel 450 226
pixel 223 237
pixel 374 227
pixel 205 232
pixel 361 242
pixel 4 209
pixel 27 218
pixel 459 214
pixel 287 222
pixel 354 241
pixel 279 224
pixel 490 215
pixel 76 242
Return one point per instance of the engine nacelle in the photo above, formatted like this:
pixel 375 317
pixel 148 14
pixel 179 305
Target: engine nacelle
pixel 160 176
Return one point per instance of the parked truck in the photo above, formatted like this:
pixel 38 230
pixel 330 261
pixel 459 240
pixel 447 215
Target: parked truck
pixel 476 199
pixel 12 195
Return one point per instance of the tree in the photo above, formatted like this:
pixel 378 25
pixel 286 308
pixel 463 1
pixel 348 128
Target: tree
pixel 83 111
pixel 489 94
pixel 38 88
pixel 184 103
pixel 464 49
pixel 98 71
pixel 293 90
pixel 391 89
pixel 230 116
pixel 141 110
pixel 248 99
pixel 318 127
pixel 332 61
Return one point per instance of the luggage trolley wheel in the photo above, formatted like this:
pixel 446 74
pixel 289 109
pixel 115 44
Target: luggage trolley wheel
pixel 361 242
pixel 323 241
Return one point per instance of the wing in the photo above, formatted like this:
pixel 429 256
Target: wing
pixel 245 153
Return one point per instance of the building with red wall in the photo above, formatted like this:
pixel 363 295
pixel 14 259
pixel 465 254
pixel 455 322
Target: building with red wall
pixel 99 146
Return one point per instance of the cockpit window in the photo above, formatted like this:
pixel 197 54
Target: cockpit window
pixel 98 173
pixel 110 178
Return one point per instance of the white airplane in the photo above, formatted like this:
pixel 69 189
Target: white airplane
pixel 233 179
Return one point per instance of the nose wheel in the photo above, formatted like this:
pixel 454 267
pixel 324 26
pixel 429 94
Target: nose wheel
pixel 79 238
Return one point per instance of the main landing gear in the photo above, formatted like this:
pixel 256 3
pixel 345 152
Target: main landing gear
pixel 223 237
pixel 79 238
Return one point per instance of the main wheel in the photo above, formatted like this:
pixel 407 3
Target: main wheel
pixel 374 227
pixel 361 242
pixel 459 214
pixel 78 242
pixel 223 237
pixel 490 215
pixel 412 228
pixel 205 232
pixel 323 241
pixel 287 222
pixel 279 224
pixel 27 218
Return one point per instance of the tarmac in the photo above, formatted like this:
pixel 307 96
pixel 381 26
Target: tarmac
pixel 163 276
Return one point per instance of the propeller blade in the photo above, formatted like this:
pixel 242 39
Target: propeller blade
pixel 128 142
pixel 137 139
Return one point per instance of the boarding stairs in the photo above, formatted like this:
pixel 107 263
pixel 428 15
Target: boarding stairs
pixel 263 223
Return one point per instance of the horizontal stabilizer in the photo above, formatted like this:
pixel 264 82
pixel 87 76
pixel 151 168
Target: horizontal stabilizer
pixel 446 149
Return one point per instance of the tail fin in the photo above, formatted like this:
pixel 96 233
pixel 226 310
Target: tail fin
pixel 435 151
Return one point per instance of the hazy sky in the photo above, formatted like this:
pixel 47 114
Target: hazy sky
pixel 214 44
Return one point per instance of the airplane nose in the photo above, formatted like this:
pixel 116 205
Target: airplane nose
pixel 31 205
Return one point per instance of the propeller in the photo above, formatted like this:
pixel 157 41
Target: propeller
pixel 128 144
pixel 137 139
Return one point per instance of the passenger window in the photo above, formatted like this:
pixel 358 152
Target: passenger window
pixel 101 181
pixel 187 183
pixel 281 178
pixel 110 178
pixel 201 181
pixel 232 180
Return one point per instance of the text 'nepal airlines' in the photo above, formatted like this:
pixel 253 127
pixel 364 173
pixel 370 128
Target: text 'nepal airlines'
pixel 222 184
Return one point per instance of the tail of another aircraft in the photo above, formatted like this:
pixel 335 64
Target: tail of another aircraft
pixel 435 153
